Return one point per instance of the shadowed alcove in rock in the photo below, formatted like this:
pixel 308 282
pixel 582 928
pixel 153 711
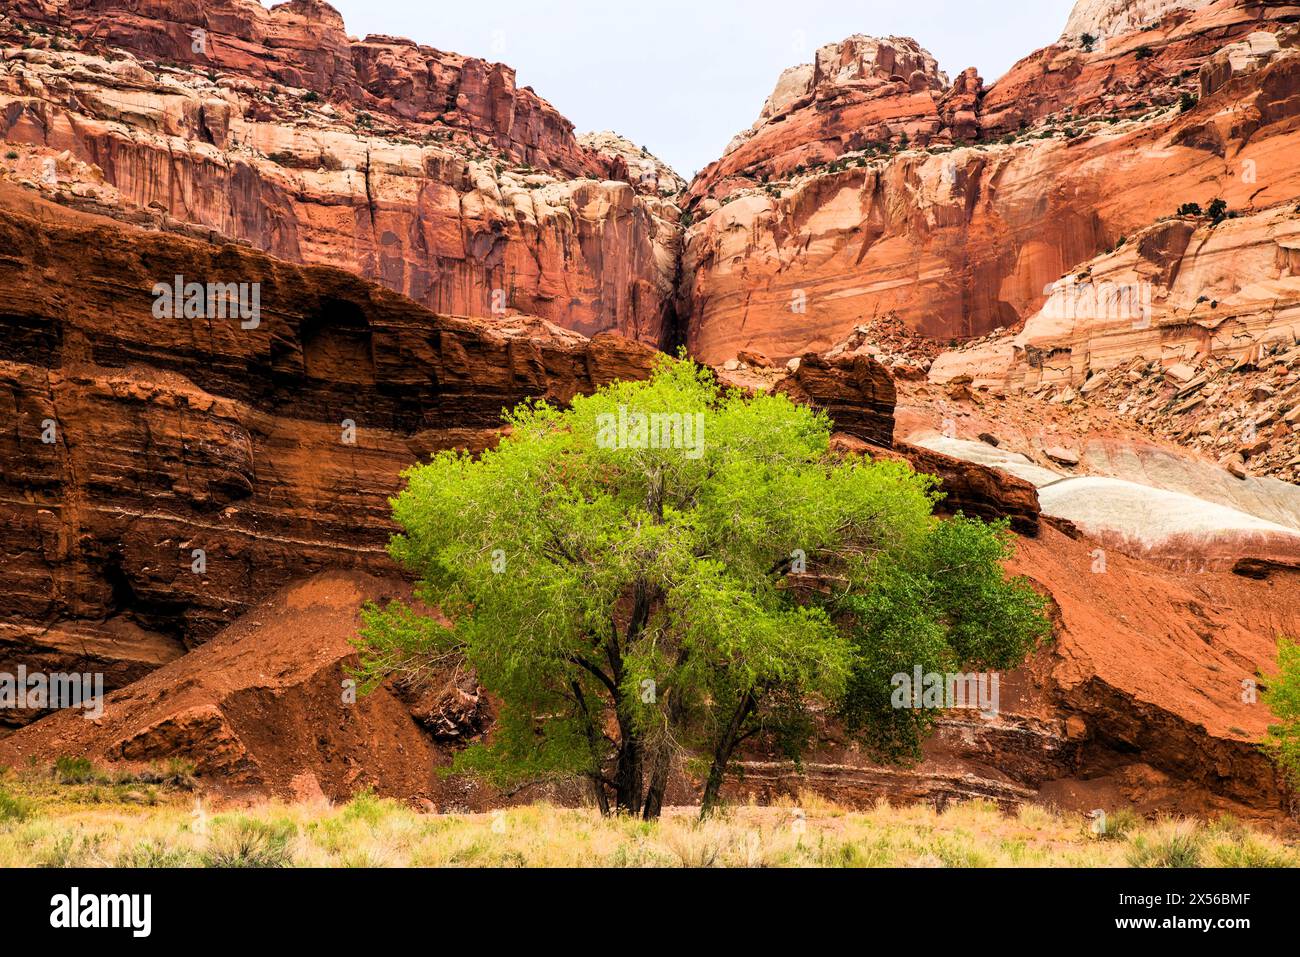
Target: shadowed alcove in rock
pixel 336 343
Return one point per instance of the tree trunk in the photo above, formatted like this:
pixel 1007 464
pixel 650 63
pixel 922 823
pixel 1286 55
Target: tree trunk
pixel 663 754
pixel 713 786
pixel 722 753
pixel 627 796
pixel 594 748
pixel 598 792
pixel 654 797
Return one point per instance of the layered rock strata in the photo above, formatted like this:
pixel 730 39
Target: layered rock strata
pixel 166 467
pixel 429 172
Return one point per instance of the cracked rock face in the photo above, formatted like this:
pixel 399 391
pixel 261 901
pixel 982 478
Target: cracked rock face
pixel 431 173
pixel 163 472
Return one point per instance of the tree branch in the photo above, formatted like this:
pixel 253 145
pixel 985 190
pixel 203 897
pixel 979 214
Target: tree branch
pixel 604 679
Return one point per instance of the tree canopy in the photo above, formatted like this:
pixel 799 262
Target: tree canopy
pixel 667 569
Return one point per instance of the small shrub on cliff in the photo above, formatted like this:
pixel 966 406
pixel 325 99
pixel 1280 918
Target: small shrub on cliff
pixel 1190 209
pixel 1217 211
pixel 1089 42
pixel 667 568
pixel 11 155
pixel 1186 102
pixel 1282 695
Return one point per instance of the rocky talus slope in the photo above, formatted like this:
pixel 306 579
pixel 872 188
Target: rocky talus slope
pixel 1190 329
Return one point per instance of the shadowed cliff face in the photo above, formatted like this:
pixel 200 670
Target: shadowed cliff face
pixel 165 468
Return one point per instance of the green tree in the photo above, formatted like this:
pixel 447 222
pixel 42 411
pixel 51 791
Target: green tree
pixel 1282 695
pixel 667 569
pixel 945 606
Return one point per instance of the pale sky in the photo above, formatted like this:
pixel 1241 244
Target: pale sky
pixel 681 77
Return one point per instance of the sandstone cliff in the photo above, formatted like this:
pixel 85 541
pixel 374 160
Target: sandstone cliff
pixel 162 473
pixel 179 435
pixel 165 474
pixel 958 240
pixel 429 172
pixel 1191 330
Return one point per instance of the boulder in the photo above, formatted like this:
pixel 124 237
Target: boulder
pixel 856 391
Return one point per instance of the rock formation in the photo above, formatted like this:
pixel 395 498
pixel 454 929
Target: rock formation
pixel 1191 328
pixel 1116 18
pixel 163 470
pixel 1142 701
pixel 958 240
pixel 266 708
pixel 429 172
pixel 1139 702
pixel 188 491
pixel 860 90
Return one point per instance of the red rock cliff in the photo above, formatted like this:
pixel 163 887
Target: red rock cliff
pixel 136 443
pixel 430 172
pixel 854 199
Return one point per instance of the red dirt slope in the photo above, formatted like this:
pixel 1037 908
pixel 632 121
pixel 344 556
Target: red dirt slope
pixel 261 709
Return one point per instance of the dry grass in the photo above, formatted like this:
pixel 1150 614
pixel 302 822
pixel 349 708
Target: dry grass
pixel 72 820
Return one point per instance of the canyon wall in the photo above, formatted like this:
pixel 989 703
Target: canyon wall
pixel 167 474
pixel 429 172
pixel 163 471
pixel 955 209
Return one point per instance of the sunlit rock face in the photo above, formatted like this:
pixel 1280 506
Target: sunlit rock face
pixel 960 240
pixel 1112 18
pixel 429 172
